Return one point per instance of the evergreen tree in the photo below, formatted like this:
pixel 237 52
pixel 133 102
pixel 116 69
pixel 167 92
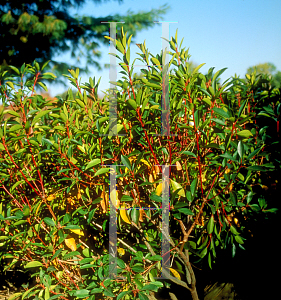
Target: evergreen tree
pixel 41 29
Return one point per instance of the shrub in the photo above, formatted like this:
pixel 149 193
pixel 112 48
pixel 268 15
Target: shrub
pixel 54 210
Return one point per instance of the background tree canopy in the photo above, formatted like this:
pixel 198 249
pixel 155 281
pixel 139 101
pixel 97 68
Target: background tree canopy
pixel 269 69
pixel 41 29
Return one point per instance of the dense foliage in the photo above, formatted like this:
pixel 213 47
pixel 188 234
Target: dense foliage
pixel 55 166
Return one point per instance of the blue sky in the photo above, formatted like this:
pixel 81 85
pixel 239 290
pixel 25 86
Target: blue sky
pixel 235 34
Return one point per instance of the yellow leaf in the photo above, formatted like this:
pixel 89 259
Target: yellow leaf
pixel 51 197
pixel 77 231
pixel 235 220
pixel 156 170
pixel 70 243
pixel 121 251
pixel 175 273
pixel 227 171
pixel 15 296
pixel 145 162
pixel 79 194
pixel 141 215
pixel 159 189
pixel 54 262
pixel 104 201
pixel 115 200
pixel 71 200
pixel 178 166
pixel 124 215
pixel 133 158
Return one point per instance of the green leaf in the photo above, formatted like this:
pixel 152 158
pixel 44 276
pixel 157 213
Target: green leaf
pixel 33 264
pixel 26 211
pixel 219 121
pixel 155 258
pixel 240 150
pixel 210 260
pixel 81 293
pixel 101 171
pixel 16 127
pixel 122 294
pixel 11 112
pixel 43 85
pixel 217 74
pixel 211 90
pixel 142 296
pixel 92 163
pixel 203 252
pixel 56 254
pixel 188 153
pixel 121 263
pixel 126 162
pixel 233 250
pixel 49 221
pixel 16 184
pixel 15 69
pixel 16 224
pixel 180 204
pixel 138 269
pixel 210 225
pixel 257 168
pixel 108 291
pixel 10 84
pixel 228 156
pixel 233 230
pixel 132 103
pixel 96 290
pixel 244 133
pixel 71 254
pixel 208 101
pixel 186 211
pixel 177 186
pixel 120 47
pixel 221 112
pixel 102 120
pixel 135 215
pixel 150 287
pixel 212 145
pixel 138 283
pixel 272 210
pixel 250 197
pixel 70 226
pixel 157 283
pixel 255 152
pixel 40 115
pixel 240 176
pixel 193 186
pixel 242 107
pixel 197 68
pixel 80 102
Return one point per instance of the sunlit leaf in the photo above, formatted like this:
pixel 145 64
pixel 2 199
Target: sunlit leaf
pixel 70 243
